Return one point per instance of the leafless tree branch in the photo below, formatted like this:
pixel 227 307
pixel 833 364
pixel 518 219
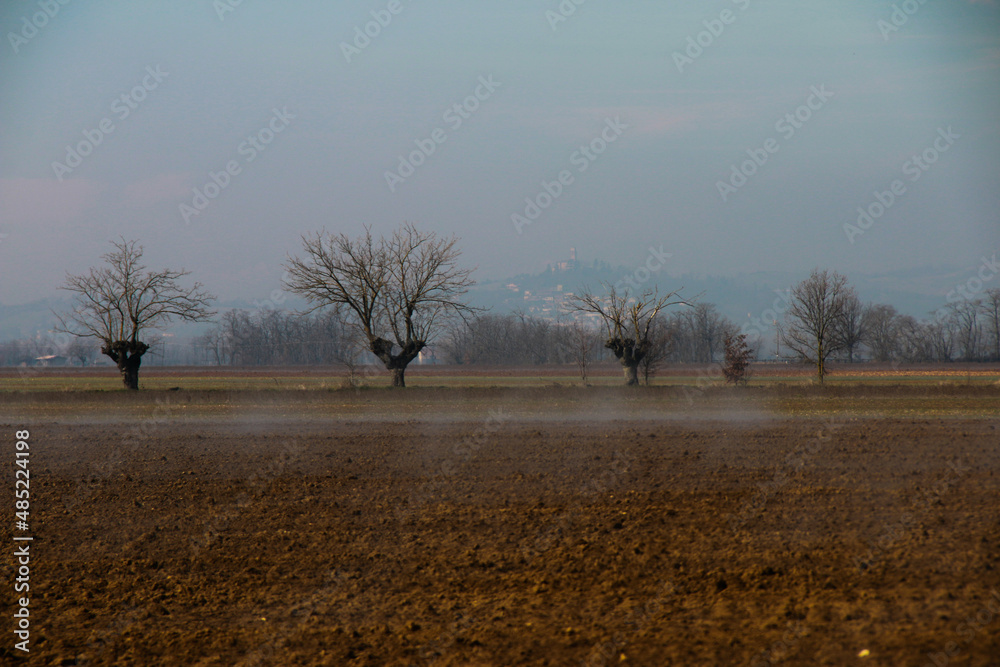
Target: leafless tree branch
pixel 397 291
pixel 117 302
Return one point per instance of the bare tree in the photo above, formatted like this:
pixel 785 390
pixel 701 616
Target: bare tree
pixel 881 331
pixel 15 353
pixel 682 338
pixel 278 337
pixel 939 339
pixel 350 355
pixel 118 302
pixel 660 347
pixel 991 313
pixel 628 322
pixel 396 291
pixel 579 342
pixel 696 334
pixel 536 338
pixel 709 328
pixel 518 339
pixel 967 329
pixel 911 340
pixel 80 351
pixel 216 345
pixel 813 320
pixel 738 355
pixel 851 325
pixel 479 340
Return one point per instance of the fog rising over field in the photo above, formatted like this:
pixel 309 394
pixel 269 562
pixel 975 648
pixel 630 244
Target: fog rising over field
pixel 738 135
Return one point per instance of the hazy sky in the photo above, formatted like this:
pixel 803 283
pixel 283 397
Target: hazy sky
pixel 833 100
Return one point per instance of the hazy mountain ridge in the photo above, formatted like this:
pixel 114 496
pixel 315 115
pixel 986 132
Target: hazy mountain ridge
pixel 740 297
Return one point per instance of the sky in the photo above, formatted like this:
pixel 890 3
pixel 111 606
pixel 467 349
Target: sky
pixel 738 135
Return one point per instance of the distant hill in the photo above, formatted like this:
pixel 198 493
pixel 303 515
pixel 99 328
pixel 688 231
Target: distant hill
pixel 740 297
pixel 29 319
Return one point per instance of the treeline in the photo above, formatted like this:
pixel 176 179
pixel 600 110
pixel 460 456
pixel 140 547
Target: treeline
pixel 280 338
pixel 271 337
pixel 690 335
pixel 514 340
pixel 26 351
pixel 696 334
pixel 964 331
pixel 968 330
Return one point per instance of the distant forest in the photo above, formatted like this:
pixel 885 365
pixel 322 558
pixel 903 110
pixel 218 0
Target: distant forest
pixel 967 330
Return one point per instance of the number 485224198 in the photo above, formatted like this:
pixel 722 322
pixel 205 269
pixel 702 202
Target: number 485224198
pixel 22 475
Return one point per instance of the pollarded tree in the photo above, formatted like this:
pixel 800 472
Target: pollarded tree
pixel 814 321
pixel 120 301
pixel 628 322
pixel 397 291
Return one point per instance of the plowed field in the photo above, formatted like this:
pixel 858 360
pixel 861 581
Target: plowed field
pixel 558 526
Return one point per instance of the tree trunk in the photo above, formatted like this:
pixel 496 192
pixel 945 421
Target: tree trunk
pixel 127 355
pixel 630 355
pixel 129 369
pixel 396 363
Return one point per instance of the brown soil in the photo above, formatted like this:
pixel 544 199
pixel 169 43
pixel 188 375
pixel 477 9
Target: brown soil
pixel 402 541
